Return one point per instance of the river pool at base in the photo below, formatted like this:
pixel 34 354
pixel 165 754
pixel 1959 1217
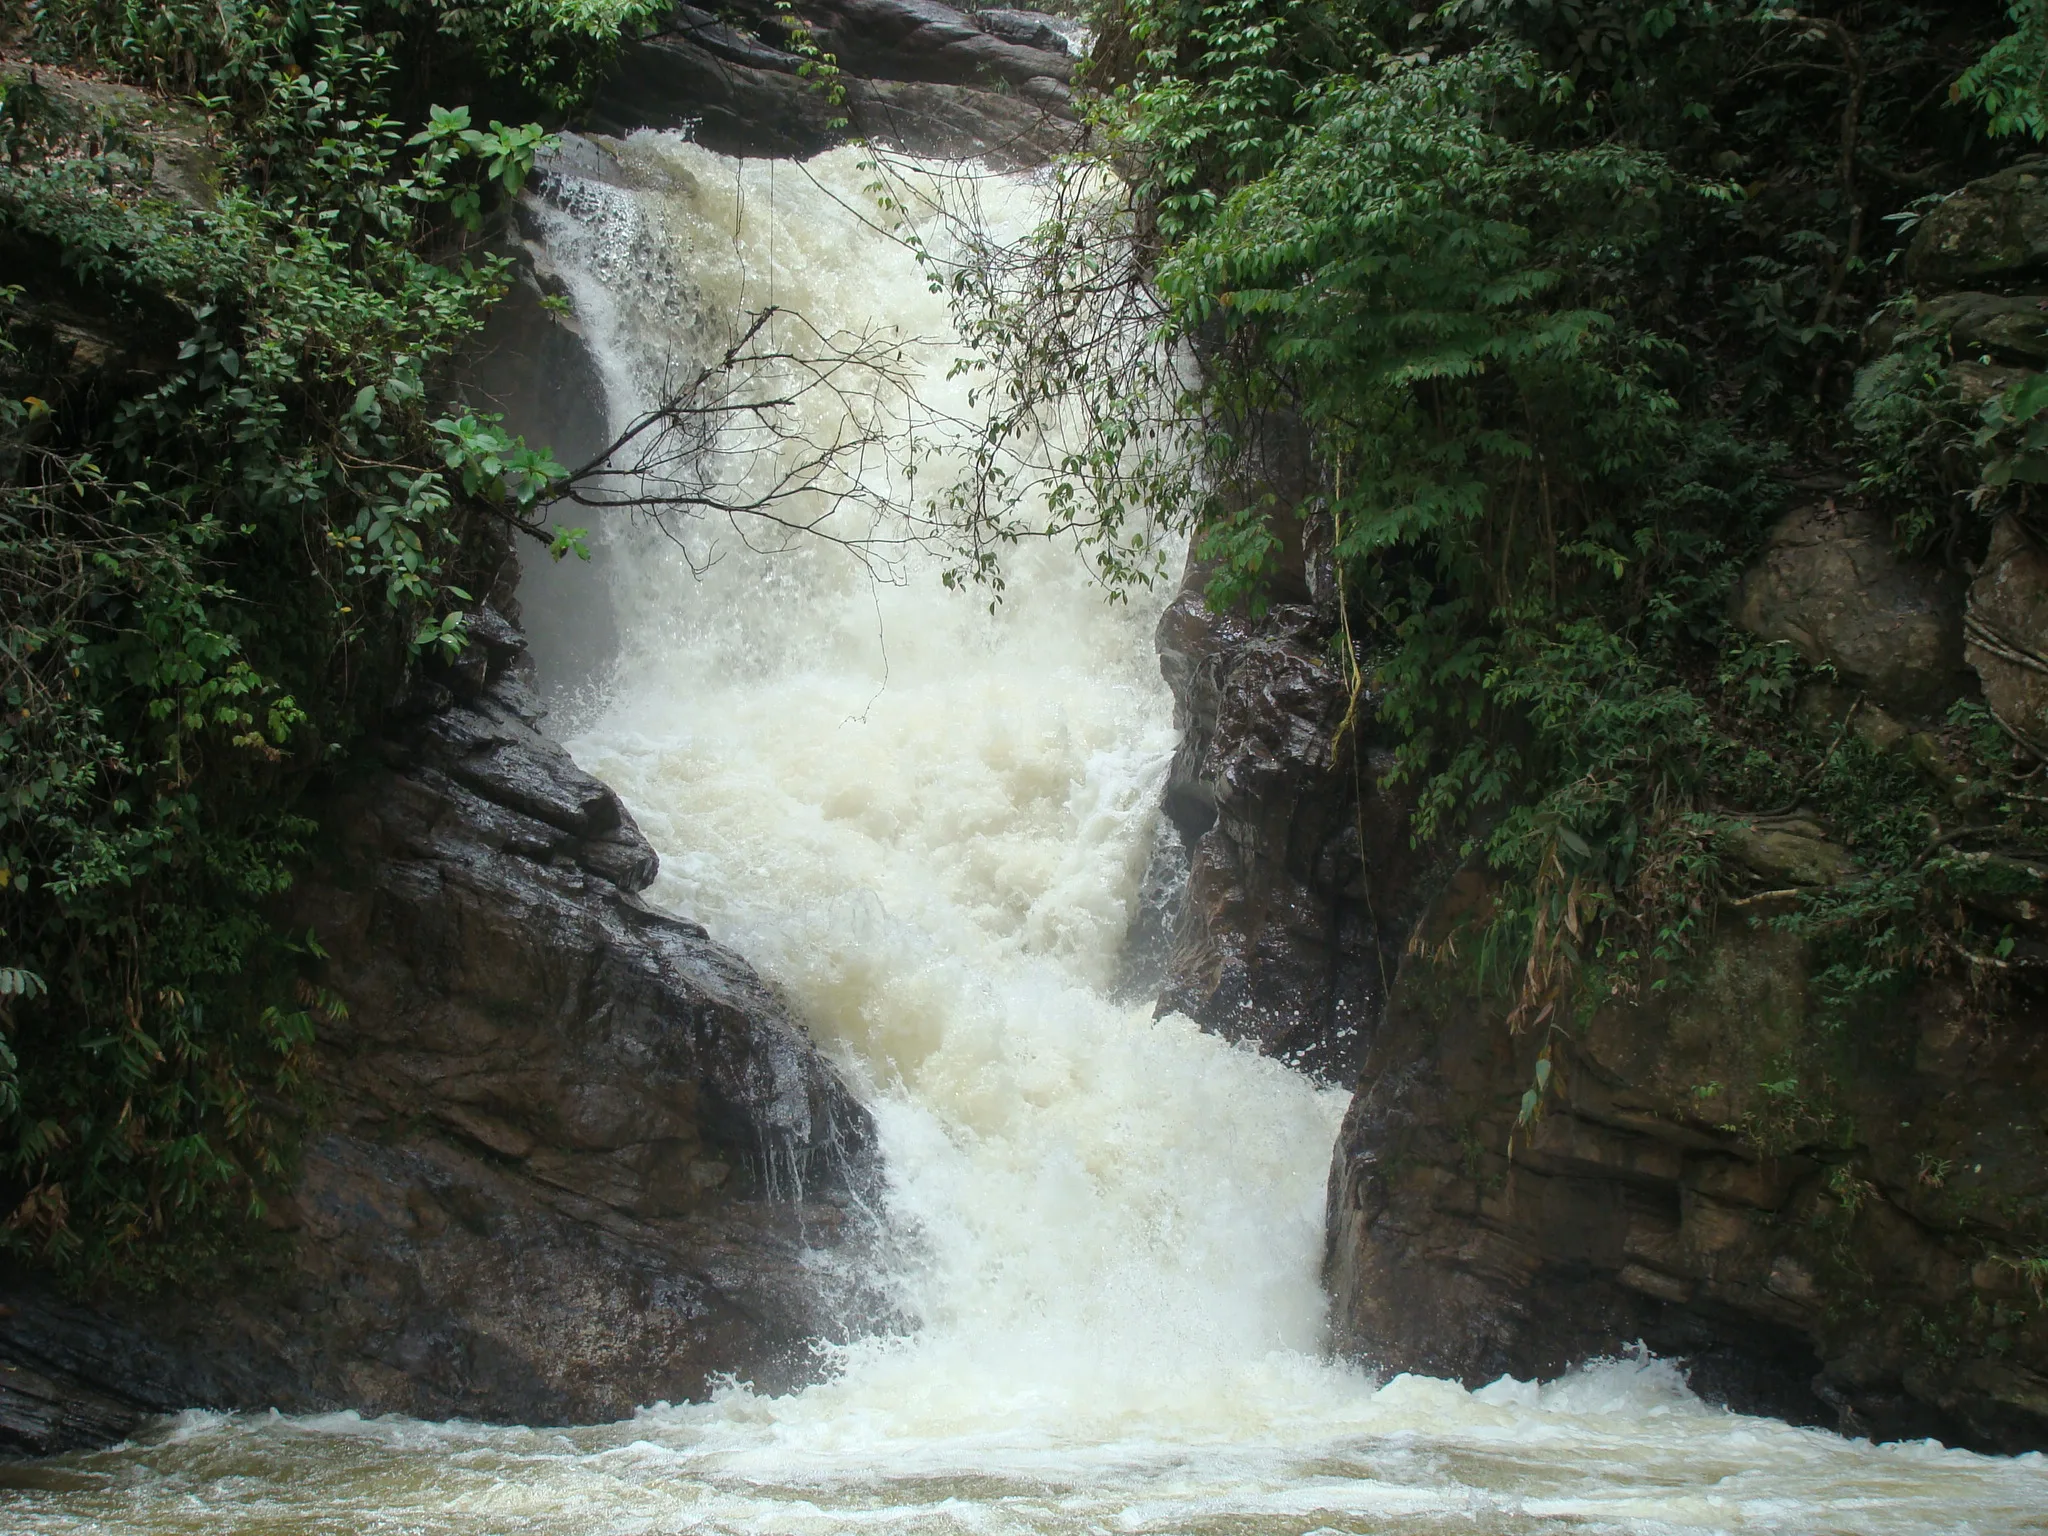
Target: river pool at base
pixel 1618 1447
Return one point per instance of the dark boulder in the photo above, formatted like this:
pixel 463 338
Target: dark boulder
pixel 686 79
pixel 1287 935
pixel 1029 29
pixel 567 1156
pixel 1991 328
pixel 1994 229
pixel 916 76
pixel 1832 583
pixel 924 40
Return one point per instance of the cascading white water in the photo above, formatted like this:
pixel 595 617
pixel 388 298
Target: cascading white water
pixel 928 823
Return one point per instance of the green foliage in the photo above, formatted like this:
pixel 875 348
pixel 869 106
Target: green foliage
pixel 547 53
pixel 1910 427
pixel 1529 310
pixel 217 579
pixel 1513 498
pixel 493 464
pixel 555 50
pixel 506 155
pixel 819 69
pixel 2010 83
pixel 1222 89
pixel 2014 435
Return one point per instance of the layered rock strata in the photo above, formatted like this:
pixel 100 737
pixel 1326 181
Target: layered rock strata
pixel 1873 1278
pixel 917 77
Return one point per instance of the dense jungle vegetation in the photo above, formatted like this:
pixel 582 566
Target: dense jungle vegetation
pixel 1529 316
pixel 1560 304
pixel 223 547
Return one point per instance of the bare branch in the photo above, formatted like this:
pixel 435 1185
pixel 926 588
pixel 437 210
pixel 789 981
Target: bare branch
pixel 1076 415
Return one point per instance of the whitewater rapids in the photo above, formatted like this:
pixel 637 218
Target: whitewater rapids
pixel 928 823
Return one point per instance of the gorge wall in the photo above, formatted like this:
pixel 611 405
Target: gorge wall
pixel 1840 1222
pixel 568 1155
pixel 1289 936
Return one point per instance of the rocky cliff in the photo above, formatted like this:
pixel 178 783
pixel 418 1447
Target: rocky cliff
pixel 1872 1275
pixel 564 1155
pixel 1837 1219
pixel 1287 936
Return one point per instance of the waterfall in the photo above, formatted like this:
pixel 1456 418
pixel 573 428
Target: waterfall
pixel 928 823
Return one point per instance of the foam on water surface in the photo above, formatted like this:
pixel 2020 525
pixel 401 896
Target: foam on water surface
pixel 928 824
pixel 1618 1447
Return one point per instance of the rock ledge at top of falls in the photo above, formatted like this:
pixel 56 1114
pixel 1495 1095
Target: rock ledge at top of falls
pixel 568 1156
pixel 918 77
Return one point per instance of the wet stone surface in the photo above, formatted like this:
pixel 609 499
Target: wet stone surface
pixel 568 1155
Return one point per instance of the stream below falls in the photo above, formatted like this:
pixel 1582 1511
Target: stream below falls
pixel 928 824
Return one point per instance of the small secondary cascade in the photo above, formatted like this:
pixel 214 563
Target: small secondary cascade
pixel 929 823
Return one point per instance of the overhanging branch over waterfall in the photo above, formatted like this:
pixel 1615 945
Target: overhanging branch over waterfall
pixel 791 433
pixel 1067 421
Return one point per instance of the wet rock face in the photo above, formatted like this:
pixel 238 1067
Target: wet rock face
pixel 1286 938
pixel 924 40
pixel 534 367
pixel 1030 29
pixel 919 77
pixel 568 1155
pixel 1868 1281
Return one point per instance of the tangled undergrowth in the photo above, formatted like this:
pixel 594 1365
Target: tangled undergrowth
pixel 1538 315
pixel 242 246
